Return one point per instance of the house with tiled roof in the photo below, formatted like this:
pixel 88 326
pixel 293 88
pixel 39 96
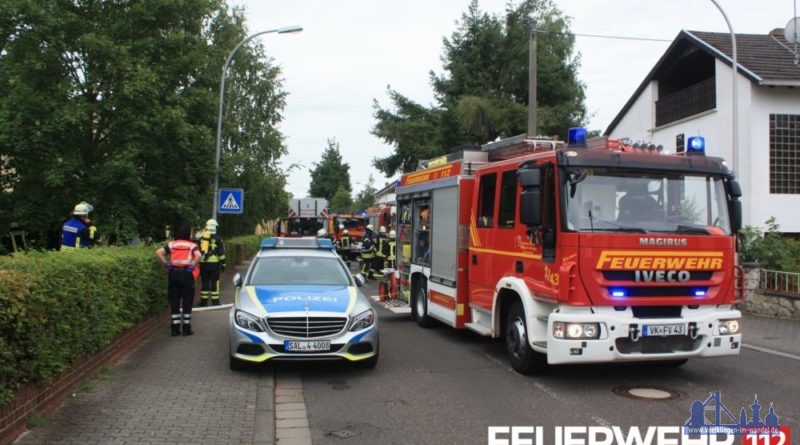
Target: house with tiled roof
pixel 689 93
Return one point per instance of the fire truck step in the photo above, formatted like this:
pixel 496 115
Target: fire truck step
pixel 479 328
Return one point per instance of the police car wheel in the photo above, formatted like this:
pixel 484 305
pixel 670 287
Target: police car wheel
pixel 420 304
pixel 523 359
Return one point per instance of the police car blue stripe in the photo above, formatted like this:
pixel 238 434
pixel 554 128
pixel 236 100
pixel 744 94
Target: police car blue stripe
pixel 277 299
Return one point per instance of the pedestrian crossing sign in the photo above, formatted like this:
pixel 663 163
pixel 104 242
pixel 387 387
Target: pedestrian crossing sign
pixel 231 201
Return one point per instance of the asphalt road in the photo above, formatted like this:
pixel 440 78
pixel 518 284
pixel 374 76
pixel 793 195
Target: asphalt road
pixel 440 385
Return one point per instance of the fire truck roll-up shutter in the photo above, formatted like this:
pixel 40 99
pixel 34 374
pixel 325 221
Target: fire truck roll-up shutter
pixel 444 243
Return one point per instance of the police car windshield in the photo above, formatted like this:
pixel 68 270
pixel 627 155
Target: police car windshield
pixel 666 202
pixel 298 270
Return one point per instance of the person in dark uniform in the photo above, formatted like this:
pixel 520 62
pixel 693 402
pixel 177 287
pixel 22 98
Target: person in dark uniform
pixel 182 265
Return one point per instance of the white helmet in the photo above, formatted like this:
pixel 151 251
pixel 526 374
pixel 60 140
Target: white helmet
pixel 82 209
pixel 341 226
pixel 321 233
pixel 346 232
pixel 382 229
pixel 370 227
pixel 211 224
pixel 392 234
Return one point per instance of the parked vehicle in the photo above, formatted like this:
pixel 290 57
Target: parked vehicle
pixel 298 301
pixel 549 246
pixel 304 217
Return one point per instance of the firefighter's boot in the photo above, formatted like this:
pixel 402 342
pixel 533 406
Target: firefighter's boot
pixel 203 302
pixel 187 325
pixel 176 330
pixel 215 302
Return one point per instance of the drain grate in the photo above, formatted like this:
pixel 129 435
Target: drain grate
pixel 647 392
pixel 345 433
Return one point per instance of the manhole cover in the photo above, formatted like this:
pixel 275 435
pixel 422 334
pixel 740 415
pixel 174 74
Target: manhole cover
pixel 647 392
pixel 344 433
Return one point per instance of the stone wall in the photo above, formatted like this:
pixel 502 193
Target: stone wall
pixel 765 302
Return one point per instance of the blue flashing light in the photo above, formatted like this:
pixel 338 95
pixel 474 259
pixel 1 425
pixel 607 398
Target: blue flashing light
pixel 699 292
pixel 617 293
pixel 576 136
pixel 269 243
pixel 325 243
pixel 696 145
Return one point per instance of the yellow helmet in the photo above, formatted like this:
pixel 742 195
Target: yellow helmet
pixel 212 224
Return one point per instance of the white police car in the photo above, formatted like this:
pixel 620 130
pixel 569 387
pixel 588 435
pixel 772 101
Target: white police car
pixel 299 301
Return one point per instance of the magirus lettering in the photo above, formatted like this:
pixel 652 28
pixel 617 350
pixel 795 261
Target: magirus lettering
pixel 662 242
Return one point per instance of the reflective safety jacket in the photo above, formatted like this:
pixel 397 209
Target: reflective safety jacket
pixel 212 248
pixel 74 234
pixel 367 248
pixel 181 253
pixel 344 242
pixel 392 249
pixel 383 247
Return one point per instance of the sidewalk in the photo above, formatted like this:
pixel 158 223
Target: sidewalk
pixel 776 334
pixel 170 390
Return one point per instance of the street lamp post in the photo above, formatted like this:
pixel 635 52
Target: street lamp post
pixel 284 30
pixel 734 98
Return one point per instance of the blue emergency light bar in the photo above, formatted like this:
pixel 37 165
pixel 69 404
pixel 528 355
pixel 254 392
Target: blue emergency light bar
pixel 296 243
pixel 696 145
pixel 576 136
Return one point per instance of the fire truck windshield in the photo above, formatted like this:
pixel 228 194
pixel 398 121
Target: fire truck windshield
pixel 622 201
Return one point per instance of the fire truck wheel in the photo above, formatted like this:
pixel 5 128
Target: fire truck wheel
pixel 523 359
pixel 420 304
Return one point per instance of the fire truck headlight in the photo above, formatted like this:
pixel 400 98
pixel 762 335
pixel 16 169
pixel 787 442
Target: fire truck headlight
pixel 729 327
pixel 576 331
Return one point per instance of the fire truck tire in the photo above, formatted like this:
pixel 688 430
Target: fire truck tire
pixel 523 359
pixel 419 306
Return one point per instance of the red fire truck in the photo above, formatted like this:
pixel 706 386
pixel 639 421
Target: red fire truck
pixel 304 217
pixel 585 252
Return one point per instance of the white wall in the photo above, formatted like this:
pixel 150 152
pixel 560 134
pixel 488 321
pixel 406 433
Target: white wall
pixel 639 119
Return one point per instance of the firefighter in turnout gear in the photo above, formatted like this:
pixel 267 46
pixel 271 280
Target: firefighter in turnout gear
pixel 344 247
pixel 381 247
pixel 183 258
pixel 78 232
pixel 368 252
pixel 211 264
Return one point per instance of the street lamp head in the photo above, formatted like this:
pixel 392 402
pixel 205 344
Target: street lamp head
pixel 288 29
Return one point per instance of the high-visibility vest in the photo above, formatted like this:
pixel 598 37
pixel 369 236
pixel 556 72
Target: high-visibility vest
pixel 345 242
pixel 181 253
pixel 392 248
pixel 382 246
pixel 71 234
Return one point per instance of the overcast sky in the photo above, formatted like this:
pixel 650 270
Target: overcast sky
pixel 350 50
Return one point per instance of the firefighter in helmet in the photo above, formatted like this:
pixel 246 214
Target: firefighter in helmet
pixel 391 251
pixel 368 252
pixel 212 263
pixel 77 231
pixel 381 249
pixel 344 247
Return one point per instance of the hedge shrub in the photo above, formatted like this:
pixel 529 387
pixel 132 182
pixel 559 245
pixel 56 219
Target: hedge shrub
pixel 56 307
pixel 251 245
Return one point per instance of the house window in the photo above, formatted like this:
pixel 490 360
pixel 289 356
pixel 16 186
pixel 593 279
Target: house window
pixel 784 153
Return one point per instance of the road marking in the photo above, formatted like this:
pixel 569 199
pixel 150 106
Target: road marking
pixel 771 351
pixel 291 416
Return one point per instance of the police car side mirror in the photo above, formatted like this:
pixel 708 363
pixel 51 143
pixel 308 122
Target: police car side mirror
pixel 237 280
pixel 359 279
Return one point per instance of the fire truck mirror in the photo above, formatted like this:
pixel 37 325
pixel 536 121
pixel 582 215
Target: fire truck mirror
pixel 530 177
pixel 530 207
pixel 736 215
pixel 735 189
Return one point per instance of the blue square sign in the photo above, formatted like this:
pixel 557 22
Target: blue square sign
pixel 230 201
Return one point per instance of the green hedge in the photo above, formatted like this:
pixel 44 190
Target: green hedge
pixel 251 245
pixel 56 307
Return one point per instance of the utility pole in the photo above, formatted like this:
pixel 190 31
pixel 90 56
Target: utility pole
pixel 532 74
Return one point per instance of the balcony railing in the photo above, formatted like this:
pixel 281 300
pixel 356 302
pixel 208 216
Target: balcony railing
pixel 778 281
pixel 686 102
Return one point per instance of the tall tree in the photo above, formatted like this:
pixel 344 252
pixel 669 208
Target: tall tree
pixel 115 103
pixel 341 201
pixel 329 174
pixel 483 93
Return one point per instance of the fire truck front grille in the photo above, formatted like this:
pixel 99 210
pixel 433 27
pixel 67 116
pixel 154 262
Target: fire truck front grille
pixel 630 275
pixel 662 291
pixel 306 327
pixel 658 345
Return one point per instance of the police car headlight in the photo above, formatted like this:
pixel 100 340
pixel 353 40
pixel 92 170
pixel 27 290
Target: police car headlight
pixel 363 320
pixel 248 321
pixel 729 327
